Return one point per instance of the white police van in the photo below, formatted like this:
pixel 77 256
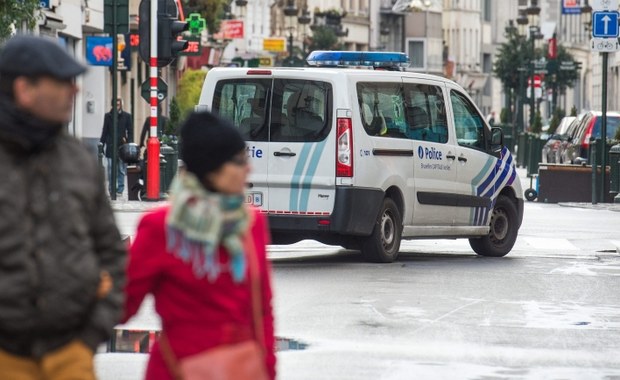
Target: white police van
pixel 364 158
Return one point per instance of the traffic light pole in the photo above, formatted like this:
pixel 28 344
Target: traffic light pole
pixel 152 184
pixel 113 170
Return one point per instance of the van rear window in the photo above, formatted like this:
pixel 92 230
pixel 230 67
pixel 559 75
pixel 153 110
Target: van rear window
pixel 276 109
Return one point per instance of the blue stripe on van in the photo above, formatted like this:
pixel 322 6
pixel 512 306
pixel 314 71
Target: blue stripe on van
pixel 307 181
pixel 297 177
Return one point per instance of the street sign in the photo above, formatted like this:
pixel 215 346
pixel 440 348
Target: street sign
pixel 599 5
pixel 274 44
pixel 193 46
pixel 162 90
pixel 604 45
pixel 605 24
pixel 196 23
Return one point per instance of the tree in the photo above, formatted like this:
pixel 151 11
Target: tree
pixel 14 13
pixel 323 38
pixel 511 63
pixel 558 114
pixel 559 80
pixel 188 93
pixel 174 119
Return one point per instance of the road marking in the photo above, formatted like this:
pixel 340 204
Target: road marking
pixel 550 244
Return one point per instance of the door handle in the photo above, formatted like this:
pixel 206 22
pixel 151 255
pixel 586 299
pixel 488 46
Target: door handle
pixel 288 154
pixel 451 157
pixel 462 159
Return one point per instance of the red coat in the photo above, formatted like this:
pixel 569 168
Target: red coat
pixel 196 314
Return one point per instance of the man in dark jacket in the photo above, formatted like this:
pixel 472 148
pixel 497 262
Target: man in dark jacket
pixel 61 256
pixel 124 135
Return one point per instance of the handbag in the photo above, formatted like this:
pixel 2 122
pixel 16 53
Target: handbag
pixel 238 361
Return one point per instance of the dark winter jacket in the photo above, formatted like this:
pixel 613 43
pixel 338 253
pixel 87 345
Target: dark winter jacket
pixel 57 234
pixel 124 135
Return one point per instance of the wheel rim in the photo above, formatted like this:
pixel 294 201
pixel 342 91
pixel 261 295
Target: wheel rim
pixel 499 225
pixel 387 230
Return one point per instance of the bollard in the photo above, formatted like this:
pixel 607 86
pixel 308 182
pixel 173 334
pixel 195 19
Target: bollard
pixel 522 149
pixel 614 165
pixel 170 155
pixel 534 154
pixel 593 162
pixel 162 176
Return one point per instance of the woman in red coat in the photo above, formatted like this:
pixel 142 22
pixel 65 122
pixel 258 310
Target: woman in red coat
pixel 193 255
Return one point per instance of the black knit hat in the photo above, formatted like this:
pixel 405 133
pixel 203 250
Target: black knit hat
pixel 208 142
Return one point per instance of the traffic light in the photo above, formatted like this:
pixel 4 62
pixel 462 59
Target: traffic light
pixel 170 42
pixel 144 30
pixel 169 29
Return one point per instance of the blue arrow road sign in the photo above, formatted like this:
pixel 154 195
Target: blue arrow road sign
pixel 605 24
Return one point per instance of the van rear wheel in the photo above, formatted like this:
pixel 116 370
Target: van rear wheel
pixel 383 244
pixel 502 235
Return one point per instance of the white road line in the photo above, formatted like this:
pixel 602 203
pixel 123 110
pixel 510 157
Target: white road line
pixel 550 244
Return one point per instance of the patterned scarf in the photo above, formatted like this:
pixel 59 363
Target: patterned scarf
pixel 199 221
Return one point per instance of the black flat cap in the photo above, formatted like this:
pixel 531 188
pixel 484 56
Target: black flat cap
pixel 37 56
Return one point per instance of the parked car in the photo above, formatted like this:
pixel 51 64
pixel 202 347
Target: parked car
pixel 551 149
pixel 578 143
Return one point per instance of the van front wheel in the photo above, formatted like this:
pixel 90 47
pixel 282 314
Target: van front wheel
pixel 383 244
pixel 503 230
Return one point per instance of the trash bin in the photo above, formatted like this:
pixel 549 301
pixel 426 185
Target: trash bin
pixel 614 164
pixel 171 158
pixel 133 175
pixel 534 154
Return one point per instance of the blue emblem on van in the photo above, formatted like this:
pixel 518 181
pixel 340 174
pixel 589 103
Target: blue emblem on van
pixel 420 152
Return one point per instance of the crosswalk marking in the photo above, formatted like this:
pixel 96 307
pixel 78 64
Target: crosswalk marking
pixel 550 243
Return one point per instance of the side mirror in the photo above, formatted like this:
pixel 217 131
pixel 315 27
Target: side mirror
pixel 497 136
pixel 497 140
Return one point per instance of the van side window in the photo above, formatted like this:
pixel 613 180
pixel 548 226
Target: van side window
pixel 382 109
pixel 302 110
pixel 468 123
pixel 426 113
pixel 244 103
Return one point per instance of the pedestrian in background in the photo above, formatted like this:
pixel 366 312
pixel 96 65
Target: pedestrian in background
pixel 124 135
pixel 61 256
pixel 197 255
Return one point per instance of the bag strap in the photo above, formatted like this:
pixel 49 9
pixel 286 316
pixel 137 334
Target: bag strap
pixel 257 305
pixel 169 358
pixel 257 312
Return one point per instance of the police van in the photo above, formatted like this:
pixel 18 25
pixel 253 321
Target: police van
pixel 363 158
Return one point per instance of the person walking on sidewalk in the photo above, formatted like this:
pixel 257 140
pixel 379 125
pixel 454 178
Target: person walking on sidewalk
pixel 201 255
pixel 124 135
pixel 61 255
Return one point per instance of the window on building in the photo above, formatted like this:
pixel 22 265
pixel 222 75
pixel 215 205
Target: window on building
pixel 487 68
pixel 487 10
pixel 415 51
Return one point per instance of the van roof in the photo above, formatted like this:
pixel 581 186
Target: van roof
pixel 325 72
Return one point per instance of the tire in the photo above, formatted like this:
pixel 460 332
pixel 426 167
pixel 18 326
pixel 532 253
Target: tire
pixel 383 244
pixel 504 227
pixel 531 194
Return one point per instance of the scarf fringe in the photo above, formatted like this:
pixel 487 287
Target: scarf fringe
pixel 202 256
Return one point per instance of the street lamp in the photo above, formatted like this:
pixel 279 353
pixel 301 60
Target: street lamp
pixel 290 12
pixel 533 10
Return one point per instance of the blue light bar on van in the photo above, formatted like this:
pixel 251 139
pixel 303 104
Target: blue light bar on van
pixel 358 58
